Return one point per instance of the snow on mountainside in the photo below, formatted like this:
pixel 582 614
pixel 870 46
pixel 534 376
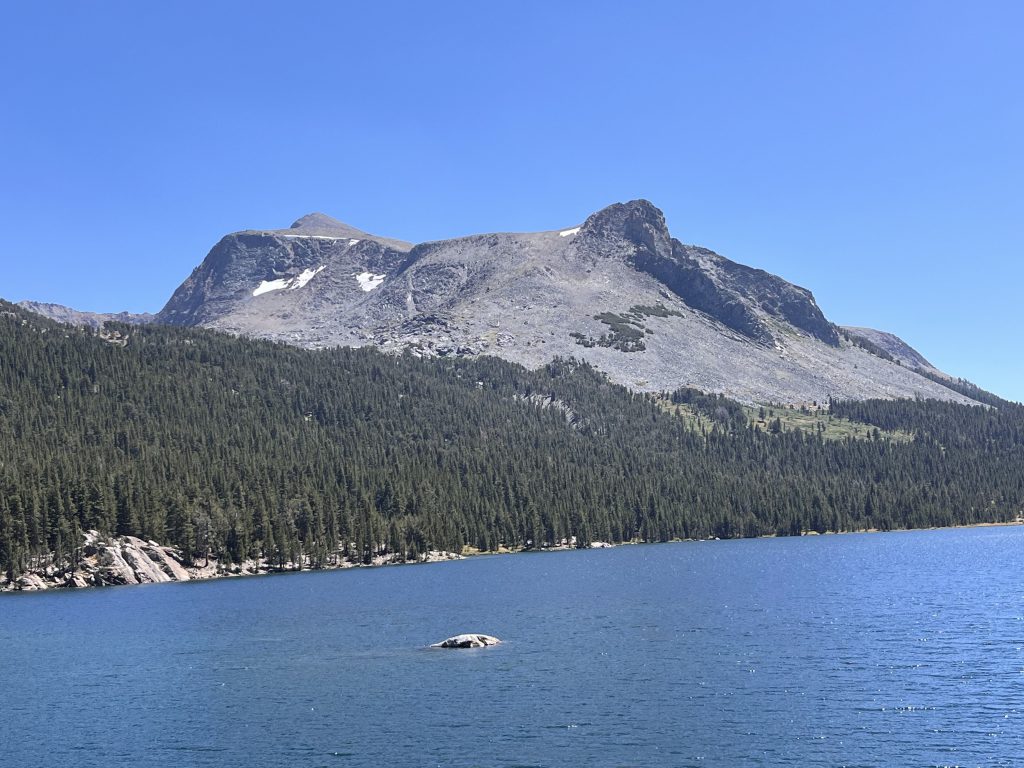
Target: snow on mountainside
pixel 618 291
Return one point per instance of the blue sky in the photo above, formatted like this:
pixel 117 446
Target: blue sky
pixel 870 151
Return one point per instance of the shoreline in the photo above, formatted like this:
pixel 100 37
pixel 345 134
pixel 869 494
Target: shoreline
pixel 129 561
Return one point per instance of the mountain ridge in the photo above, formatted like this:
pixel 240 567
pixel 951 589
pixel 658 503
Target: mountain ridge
pixel 617 290
pixel 64 314
pixel 704 321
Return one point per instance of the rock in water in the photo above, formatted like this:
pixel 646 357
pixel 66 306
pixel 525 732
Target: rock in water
pixel 467 641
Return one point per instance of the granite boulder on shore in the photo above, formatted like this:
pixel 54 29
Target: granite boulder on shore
pixel 103 561
pixel 117 560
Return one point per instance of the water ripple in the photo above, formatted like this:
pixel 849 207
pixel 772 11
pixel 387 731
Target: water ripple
pixel 783 652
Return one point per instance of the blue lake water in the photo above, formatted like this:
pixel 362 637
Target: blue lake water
pixel 892 649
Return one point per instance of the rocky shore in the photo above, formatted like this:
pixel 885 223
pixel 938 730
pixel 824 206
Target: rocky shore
pixel 108 561
pixel 112 561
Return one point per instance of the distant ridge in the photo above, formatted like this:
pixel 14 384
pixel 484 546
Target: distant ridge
pixel 63 314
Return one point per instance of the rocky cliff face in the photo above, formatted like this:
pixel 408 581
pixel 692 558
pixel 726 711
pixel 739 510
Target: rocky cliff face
pixel 739 297
pixel 618 290
pixel 254 276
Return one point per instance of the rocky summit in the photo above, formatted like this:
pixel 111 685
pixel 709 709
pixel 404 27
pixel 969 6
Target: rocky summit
pixel 616 290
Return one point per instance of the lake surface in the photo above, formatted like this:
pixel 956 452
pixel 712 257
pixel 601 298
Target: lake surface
pixel 855 650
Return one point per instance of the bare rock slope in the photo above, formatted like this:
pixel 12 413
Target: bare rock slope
pixel 617 290
pixel 117 560
pixel 62 314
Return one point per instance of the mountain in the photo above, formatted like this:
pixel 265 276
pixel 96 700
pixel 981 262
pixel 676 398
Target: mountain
pixel 617 290
pixel 251 281
pixel 62 314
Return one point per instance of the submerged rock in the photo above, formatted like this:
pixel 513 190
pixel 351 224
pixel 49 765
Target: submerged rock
pixel 467 641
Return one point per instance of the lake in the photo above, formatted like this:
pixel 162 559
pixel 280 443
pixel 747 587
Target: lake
pixel 856 650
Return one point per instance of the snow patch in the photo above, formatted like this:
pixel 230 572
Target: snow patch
pixel 305 277
pixel 368 281
pixel 290 283
pixel 352 241
pixel 568 232
pixel 271 285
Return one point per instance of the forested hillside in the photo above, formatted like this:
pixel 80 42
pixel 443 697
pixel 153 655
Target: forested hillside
pixel 241 449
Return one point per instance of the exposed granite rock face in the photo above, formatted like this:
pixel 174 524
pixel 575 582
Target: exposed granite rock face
pixel 468 641
pixel 274 267
pixel 119 560
pixel 618 291
pixel 128 560
pixel 894 346
pixel 31 582
pixel 736 295
pixel 62 314
pixel 103 561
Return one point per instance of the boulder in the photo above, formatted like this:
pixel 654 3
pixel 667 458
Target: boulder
pixel 113 568
pixel 31 582
pixel 168 561
pixel 133 551
pixel 467 641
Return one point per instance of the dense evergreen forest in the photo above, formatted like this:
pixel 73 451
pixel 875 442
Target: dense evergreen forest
pixel 243 449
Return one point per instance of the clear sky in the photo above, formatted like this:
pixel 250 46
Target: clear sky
pixel 870 151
